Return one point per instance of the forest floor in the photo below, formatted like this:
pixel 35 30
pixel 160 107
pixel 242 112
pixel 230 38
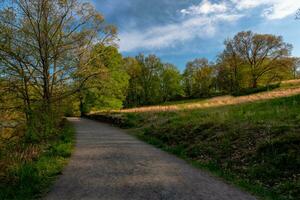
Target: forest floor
pixel 110 164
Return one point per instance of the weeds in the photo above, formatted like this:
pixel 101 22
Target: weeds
pixel 31 172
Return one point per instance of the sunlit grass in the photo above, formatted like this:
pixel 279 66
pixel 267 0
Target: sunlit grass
pixel 216 101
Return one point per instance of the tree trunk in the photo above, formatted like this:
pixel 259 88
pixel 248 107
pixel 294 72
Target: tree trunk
pixel 254 83
pixel 81 106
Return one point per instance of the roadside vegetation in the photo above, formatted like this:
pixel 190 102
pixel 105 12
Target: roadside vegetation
pixel 28 169
pixel 253 145
pixel 48 61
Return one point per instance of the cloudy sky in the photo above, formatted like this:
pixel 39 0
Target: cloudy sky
pixel 181 30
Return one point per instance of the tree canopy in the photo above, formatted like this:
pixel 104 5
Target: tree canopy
pixel 44 45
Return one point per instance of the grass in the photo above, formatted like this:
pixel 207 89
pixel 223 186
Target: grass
pixel 290 84
pixel 287 88
pixel 255 146
pixel 31 178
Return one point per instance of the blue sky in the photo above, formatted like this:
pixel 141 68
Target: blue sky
pixel 181 30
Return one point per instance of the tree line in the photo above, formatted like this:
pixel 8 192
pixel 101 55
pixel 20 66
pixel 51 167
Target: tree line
pixel 60 56
pixel 249 62
pixel 49 54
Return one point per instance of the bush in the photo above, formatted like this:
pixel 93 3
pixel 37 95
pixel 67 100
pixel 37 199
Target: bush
pixel 33 167
pixel 247 91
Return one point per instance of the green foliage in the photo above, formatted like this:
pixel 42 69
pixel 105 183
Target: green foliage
pixel 254 60
pixel 38 81
pixel 42 124
pixel 151 81
pixel 44 60
pixel 29 179
pixel 41 71
pixel 198 78
pixel 150 78
pixel 106 91
pixel 170 83
pixel 248 91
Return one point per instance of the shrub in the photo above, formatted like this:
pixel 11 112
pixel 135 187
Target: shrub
pixel 247 91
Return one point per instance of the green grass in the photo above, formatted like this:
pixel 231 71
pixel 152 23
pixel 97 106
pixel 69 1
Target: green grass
pixel 32 179
pixel 255 146
pixel 249 91
pixel 290 84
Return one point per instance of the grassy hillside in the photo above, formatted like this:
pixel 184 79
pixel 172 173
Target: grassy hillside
pixel 254 145
pixel 287 88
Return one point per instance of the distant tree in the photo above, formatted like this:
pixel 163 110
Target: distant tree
pixel 295 67
pixel 189 74
pixel 286 69
pixel 198 78
pixel 170 83
pixel 108 89
pixel 203 81
pixel 260 52
pixel 151 81
pixel 229 67
pixel 151 68
pixel 135 89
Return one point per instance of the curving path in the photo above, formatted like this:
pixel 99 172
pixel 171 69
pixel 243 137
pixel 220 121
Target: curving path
pixel 109 164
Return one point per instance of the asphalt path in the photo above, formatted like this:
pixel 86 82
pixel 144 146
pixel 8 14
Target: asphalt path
pixel 109 164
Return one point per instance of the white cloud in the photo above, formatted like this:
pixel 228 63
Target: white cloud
pixel 273 9
pixel 205 7
pixel 281 9
pixel 247 4
pixel 167 36
pixel 202 20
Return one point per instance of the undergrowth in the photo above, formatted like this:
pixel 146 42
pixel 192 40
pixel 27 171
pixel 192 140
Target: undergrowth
pixel 32 168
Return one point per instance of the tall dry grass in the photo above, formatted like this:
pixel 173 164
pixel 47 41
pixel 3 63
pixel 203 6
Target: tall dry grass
pixel 219 101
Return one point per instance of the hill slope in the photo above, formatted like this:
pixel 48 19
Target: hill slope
pixel 255 145
pixel 287 89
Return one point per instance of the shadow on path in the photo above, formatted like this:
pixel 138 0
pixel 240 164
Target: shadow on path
pixel 109 164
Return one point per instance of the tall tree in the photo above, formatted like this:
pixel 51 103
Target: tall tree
pixel 229 64
pixel 151 67
pixel 135 89
pixel 171 86
pixel 43 42
pixel 108 89
pixel 295 67
pixel 260 52
pixel 151 81
pixel 198 78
